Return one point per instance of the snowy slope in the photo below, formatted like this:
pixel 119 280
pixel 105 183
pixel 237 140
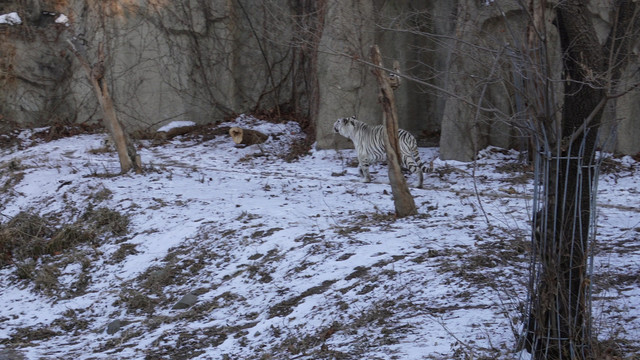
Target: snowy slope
pixel 287 260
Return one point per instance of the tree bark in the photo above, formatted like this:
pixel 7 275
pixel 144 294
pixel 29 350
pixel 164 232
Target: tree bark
pixel 247 136
pixel 560 317
pixel 404 204
pixel 95 74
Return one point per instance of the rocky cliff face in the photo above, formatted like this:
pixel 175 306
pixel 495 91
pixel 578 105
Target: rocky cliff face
pixel 33 72
pixel 205 60
pixel 187 60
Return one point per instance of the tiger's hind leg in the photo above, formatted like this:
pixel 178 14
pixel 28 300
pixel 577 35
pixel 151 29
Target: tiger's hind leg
pixel 363 168
pixel 410 163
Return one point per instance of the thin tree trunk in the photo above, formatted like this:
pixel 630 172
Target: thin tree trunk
pixel 95 74
pixel 404 204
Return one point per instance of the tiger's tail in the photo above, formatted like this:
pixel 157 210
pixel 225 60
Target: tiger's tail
pixel 426 167
pixel 419 164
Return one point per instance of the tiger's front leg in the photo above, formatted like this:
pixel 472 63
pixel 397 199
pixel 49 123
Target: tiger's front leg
pixel 363 168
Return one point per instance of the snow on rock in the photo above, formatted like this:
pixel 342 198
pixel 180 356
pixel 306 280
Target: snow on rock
pixel 11 19
pixel 175 124
pixel 62 19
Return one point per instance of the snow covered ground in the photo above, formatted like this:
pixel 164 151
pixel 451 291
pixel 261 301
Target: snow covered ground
pixel 284 259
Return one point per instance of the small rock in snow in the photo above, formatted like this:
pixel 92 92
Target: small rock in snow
pixel 114 327
pixel 187 301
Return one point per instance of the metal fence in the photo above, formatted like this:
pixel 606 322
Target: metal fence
pixel 558 311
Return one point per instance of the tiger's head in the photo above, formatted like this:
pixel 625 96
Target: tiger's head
pixel 344 126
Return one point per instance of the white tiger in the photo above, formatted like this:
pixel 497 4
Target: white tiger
pixel 370 147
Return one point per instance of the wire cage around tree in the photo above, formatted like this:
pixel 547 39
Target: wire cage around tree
pixel 557 322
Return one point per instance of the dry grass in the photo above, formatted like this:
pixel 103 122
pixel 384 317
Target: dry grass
pixel 40 247
pixel 106 220
pixel 23 237
pixel 30 236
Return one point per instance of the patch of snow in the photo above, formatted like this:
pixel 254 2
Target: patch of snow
pixel 11 19
pixel 62 19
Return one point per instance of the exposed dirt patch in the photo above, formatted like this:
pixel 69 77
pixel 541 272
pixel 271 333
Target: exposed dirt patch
pixel 285 307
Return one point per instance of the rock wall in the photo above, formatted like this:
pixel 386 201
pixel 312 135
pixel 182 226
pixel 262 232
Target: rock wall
pixel 347 86
pixel 206 60
pixel 188 60
pixel 33 74
pixel 484 65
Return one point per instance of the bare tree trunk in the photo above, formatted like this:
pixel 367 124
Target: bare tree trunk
pixel 95 74
pixel 560 317
pixel 405 206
